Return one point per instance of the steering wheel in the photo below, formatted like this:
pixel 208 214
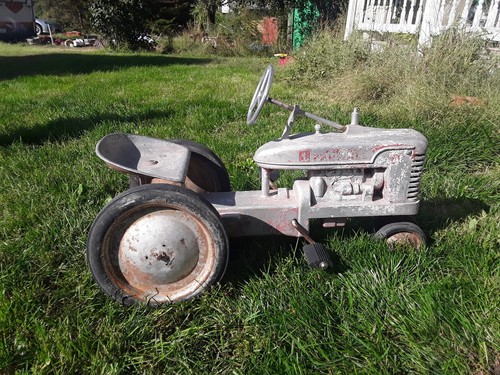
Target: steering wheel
pixel 261 95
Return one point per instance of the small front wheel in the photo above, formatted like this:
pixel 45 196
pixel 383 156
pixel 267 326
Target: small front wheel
pixel 403 233
pixel 157 244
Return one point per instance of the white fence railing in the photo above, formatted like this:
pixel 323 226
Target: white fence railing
pixel 425 18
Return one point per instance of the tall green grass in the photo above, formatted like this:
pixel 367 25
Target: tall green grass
pixel 378 311
pixel 396 81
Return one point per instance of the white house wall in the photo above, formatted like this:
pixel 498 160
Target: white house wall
pixel 426 18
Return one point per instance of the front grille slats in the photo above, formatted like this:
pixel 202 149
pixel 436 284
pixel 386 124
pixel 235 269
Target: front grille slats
pixel 417 169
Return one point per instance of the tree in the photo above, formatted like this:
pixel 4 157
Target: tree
pixel 120 21
pixel 168 16
pixel 76 14
pixel 211 7
pixel 205 12
pixel 328 9
pixel 72 14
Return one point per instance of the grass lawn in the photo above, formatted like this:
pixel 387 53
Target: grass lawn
pixel 379 311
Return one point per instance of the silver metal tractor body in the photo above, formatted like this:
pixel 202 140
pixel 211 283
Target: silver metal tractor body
pixel 357 173
pixel 165 240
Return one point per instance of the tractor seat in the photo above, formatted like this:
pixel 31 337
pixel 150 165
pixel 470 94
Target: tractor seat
pixel 135 154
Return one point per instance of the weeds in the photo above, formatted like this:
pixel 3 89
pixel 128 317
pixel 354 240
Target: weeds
pixel 234 34
pixel 394 81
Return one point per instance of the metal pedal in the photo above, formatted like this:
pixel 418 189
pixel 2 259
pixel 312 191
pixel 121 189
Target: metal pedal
pixel 316 254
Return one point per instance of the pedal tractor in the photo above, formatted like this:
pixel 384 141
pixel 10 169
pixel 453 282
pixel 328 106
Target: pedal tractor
pixel 166 238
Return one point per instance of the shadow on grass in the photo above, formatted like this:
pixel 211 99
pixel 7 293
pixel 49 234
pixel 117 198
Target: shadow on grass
pixel 439 213
pixel 60 64
pixel 255 256
pixel 252 257
pixel 65 128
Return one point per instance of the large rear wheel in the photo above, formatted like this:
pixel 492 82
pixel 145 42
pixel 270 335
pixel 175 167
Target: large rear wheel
pixel 157 244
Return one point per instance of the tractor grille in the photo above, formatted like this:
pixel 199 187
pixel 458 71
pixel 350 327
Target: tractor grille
pixel 416 172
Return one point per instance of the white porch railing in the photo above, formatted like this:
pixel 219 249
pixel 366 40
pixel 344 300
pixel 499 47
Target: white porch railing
pixel 426 18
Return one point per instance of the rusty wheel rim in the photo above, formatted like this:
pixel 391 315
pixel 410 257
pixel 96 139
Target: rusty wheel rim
pixel 159 254
pixel 405 239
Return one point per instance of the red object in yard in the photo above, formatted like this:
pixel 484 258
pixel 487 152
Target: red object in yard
pixel 284 58
pixel 73 33
pixel 269 30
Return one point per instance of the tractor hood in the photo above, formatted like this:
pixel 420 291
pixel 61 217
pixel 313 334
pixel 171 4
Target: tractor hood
pixel 358 146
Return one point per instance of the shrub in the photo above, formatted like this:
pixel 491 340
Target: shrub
pixel 120 22
pixel 238 35
pixel 234 34
pixel 326 55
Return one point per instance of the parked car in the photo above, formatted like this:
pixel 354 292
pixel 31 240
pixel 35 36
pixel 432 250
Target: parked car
pixel 42 27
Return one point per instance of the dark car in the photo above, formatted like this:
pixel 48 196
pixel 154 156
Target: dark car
pixel 42 27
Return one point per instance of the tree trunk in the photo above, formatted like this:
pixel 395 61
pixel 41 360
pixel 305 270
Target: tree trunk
pixel 211 8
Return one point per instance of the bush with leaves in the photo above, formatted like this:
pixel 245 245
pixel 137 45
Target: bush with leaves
pixel 120 22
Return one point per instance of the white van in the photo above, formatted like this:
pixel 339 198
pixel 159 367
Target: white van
pixel 17 20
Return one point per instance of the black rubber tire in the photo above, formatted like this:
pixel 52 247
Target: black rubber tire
pixel 206 172
pixel 128 280
pixel 38 29
pixel 403 233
